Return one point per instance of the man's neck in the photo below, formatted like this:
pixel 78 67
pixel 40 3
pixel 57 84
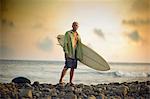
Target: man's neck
pixel 74 30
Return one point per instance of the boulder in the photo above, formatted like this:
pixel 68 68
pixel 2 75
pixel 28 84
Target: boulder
pixel 27 93
pixel 20 80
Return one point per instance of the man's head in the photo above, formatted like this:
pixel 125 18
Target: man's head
pixel 75 26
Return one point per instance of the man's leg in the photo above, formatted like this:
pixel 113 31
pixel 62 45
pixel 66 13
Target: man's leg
pixel 71 74
pixel 63 74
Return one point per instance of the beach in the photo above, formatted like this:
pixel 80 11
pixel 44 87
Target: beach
pixel 37 90
pixel 122 81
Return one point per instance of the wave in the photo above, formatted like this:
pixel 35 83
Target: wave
pixel 125 74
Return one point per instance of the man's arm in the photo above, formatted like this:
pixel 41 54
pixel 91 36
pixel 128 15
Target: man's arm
pixel 79 47
pixel 65 47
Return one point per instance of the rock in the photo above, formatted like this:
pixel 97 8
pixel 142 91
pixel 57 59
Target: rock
pixel 144 89
pixel 98 90
pixel 124 90
pixel 133 88
pixel 69 89
pixel 101 96
pixel 27 93
pixel 51 86
pixel 36 83
pixel 37 94
pixel 136 82
pixel 47 97
pixel 115 83
pixel 19 80
pixel 61 95
pixel 53 92
pixel 78 90
pixel 99 85
pixel 45 85
pixel 88 90
pixel 130 97
pixel 125 83
pixel 84 95
pixel 91 97
pixel 120 90
pixel 148 82
pixel 80 97
pixel 115 97
pixel 80 86
pixel 6 96
pixel 88 87
pixel 27 86
pixel 8 91
pixel 60 87
pixel 70 95
pixel 46 90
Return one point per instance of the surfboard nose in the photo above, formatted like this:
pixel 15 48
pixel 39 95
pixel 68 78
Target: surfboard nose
pixel 58 37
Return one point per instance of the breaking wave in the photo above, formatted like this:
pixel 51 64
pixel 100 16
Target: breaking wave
pixel 125 74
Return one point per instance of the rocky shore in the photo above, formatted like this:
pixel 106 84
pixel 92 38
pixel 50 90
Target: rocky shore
pixel 132 90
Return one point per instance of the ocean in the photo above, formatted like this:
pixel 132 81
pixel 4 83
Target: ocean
pixel 50 71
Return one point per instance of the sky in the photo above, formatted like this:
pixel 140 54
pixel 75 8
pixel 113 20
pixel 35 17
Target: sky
pixel 118 30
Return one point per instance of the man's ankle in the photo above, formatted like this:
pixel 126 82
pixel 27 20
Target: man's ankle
pixel 60 81
pixel 71 83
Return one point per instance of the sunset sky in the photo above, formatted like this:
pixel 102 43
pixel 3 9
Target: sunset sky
pixel 119 30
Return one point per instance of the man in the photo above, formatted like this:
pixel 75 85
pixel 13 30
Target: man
pixel 73 51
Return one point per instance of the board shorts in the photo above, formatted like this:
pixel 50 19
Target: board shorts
pixel 70 62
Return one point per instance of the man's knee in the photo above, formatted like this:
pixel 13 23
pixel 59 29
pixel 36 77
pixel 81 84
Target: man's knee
pixel 65 68
pixel 72 69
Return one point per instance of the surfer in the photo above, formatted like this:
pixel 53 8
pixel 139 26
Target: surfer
pixel 72 51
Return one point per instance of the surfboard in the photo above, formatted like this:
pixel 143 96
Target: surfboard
pixel 90 57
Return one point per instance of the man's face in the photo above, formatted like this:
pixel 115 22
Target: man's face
pixel 75 26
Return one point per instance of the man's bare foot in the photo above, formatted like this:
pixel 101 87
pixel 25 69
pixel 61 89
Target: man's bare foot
pixel 61 82
pixel 71 83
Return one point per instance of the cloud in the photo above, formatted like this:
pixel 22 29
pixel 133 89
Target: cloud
pixel 3 6
pixel 7 23
pixel 134 36
pixel 41 26
pixel 6 51
pixel 136 22
pixel 99 33
pixel 140 6
pixel 37 26
pixel 45 44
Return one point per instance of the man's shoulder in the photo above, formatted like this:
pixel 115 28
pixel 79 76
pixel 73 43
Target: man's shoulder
pixel 70 31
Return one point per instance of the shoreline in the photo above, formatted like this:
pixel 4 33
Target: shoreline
pixel 37 90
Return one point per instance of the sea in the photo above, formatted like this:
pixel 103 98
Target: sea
pixel 50 71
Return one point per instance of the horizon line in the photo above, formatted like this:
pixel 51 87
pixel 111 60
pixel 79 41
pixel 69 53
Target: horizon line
pixel 110 62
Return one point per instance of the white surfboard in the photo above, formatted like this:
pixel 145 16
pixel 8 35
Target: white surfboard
pixel 90 57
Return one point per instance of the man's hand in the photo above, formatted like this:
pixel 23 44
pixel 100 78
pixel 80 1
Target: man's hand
pixel 66 55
